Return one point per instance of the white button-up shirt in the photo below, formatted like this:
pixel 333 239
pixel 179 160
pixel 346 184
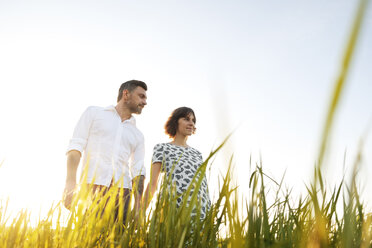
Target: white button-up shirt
pixel 113 150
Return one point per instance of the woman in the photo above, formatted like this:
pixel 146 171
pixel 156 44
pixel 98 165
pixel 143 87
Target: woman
pixel 185 159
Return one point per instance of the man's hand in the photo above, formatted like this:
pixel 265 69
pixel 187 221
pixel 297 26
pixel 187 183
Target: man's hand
pixel 68 194
pixel 73 159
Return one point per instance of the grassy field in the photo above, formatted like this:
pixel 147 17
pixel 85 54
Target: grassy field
pixel 311 221
pixel 323 217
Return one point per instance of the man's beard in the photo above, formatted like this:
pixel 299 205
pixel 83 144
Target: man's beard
pixel 135 109
pixel 139 110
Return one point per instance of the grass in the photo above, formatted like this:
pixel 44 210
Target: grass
pixel 312 220
pixel 284 222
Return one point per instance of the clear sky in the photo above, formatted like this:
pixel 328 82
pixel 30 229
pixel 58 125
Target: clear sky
pixel 266 68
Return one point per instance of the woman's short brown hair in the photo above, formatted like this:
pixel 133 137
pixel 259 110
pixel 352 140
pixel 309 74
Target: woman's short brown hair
pixel 171 125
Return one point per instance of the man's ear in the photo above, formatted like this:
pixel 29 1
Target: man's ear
pixel 125 94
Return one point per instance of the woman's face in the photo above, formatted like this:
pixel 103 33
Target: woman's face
pixel 186 125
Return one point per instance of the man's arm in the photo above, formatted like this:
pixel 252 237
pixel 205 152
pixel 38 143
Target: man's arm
pixel 75 148
pixel 73 159
pixel 137 185
pixel 138 172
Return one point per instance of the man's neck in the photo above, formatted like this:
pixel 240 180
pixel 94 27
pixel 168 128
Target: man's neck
pixel 123 112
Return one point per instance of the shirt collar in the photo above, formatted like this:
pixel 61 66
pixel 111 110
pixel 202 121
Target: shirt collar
pixel 110 108
pixel 131 120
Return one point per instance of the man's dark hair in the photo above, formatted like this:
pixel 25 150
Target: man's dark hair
pixel 130 86
pixel 172 123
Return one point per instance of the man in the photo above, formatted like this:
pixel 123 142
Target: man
pixel 112 145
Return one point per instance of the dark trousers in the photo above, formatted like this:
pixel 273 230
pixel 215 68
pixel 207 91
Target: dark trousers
pixel 125 194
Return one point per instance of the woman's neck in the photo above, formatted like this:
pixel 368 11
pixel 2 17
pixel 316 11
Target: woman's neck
pixel 180 140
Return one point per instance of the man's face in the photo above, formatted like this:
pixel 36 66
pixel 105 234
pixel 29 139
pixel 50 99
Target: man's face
pixel 137 100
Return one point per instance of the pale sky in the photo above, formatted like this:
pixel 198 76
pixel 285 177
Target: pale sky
pixel 266 68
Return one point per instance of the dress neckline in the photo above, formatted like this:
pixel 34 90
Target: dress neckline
pixel 185 147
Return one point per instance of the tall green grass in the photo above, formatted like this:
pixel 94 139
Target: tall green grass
pixel 281 222
pixel 278 222
pixel 311 220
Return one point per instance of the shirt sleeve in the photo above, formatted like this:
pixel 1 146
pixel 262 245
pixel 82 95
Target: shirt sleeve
pixel 158 155
pixel 81 132
pixel 137 162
